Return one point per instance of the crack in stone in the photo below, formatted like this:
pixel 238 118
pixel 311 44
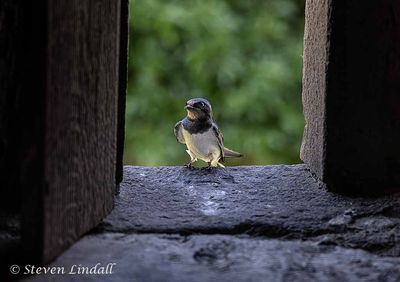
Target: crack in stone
pixel 347 235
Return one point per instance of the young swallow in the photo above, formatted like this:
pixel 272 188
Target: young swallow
pixel 201 135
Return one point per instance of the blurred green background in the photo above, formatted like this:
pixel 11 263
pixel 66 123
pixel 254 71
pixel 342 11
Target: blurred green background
pixel 245 56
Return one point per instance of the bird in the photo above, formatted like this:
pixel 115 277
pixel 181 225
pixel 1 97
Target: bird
pixel 201 135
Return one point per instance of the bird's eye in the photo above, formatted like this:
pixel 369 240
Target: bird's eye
pixel 202 104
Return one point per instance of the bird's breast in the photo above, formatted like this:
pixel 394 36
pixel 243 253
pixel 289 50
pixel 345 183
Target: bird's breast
pixel 201 144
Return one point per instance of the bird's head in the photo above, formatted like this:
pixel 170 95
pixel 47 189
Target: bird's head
pixel 198 108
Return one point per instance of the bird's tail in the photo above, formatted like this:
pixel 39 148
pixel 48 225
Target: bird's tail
pixel 231 154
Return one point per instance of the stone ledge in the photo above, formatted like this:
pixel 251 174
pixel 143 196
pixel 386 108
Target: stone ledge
pixel 282 201
pixel 175 258
pixel 218 226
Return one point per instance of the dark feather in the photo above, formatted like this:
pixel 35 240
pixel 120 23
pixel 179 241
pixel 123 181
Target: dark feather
pixel 220 137
pixel 196 126
pixel 178 132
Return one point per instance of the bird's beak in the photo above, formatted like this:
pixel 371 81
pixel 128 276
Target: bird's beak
pixel 188 107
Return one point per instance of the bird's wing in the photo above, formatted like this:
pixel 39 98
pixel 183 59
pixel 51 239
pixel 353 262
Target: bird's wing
pixel 178 132
pixel 220 138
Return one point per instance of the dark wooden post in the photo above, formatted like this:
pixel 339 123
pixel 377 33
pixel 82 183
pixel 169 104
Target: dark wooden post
pixel 123 79
pixel 61 104
pixel 351 93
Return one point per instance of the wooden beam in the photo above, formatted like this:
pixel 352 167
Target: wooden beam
pixel 82 62
pixel 123 80
pixel 61 112
pixel 314 80
pixel 351 98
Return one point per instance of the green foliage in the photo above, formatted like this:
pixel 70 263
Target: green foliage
pixel 245 56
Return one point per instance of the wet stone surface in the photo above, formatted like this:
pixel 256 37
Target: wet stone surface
pixel 259 223
pixel 175 258
pixel 282 201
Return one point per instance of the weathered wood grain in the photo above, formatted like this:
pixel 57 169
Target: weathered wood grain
pixel 314 83
pixel 351 91
pixel 81 118
pixel 61 111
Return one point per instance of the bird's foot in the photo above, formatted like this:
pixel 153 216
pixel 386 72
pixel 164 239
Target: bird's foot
pixel 209 168
pixel 189 165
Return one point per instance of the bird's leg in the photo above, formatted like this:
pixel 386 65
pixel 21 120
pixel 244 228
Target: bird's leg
pixel 190 164
pixel 209 167
pixel 192 160
pixel 213 163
